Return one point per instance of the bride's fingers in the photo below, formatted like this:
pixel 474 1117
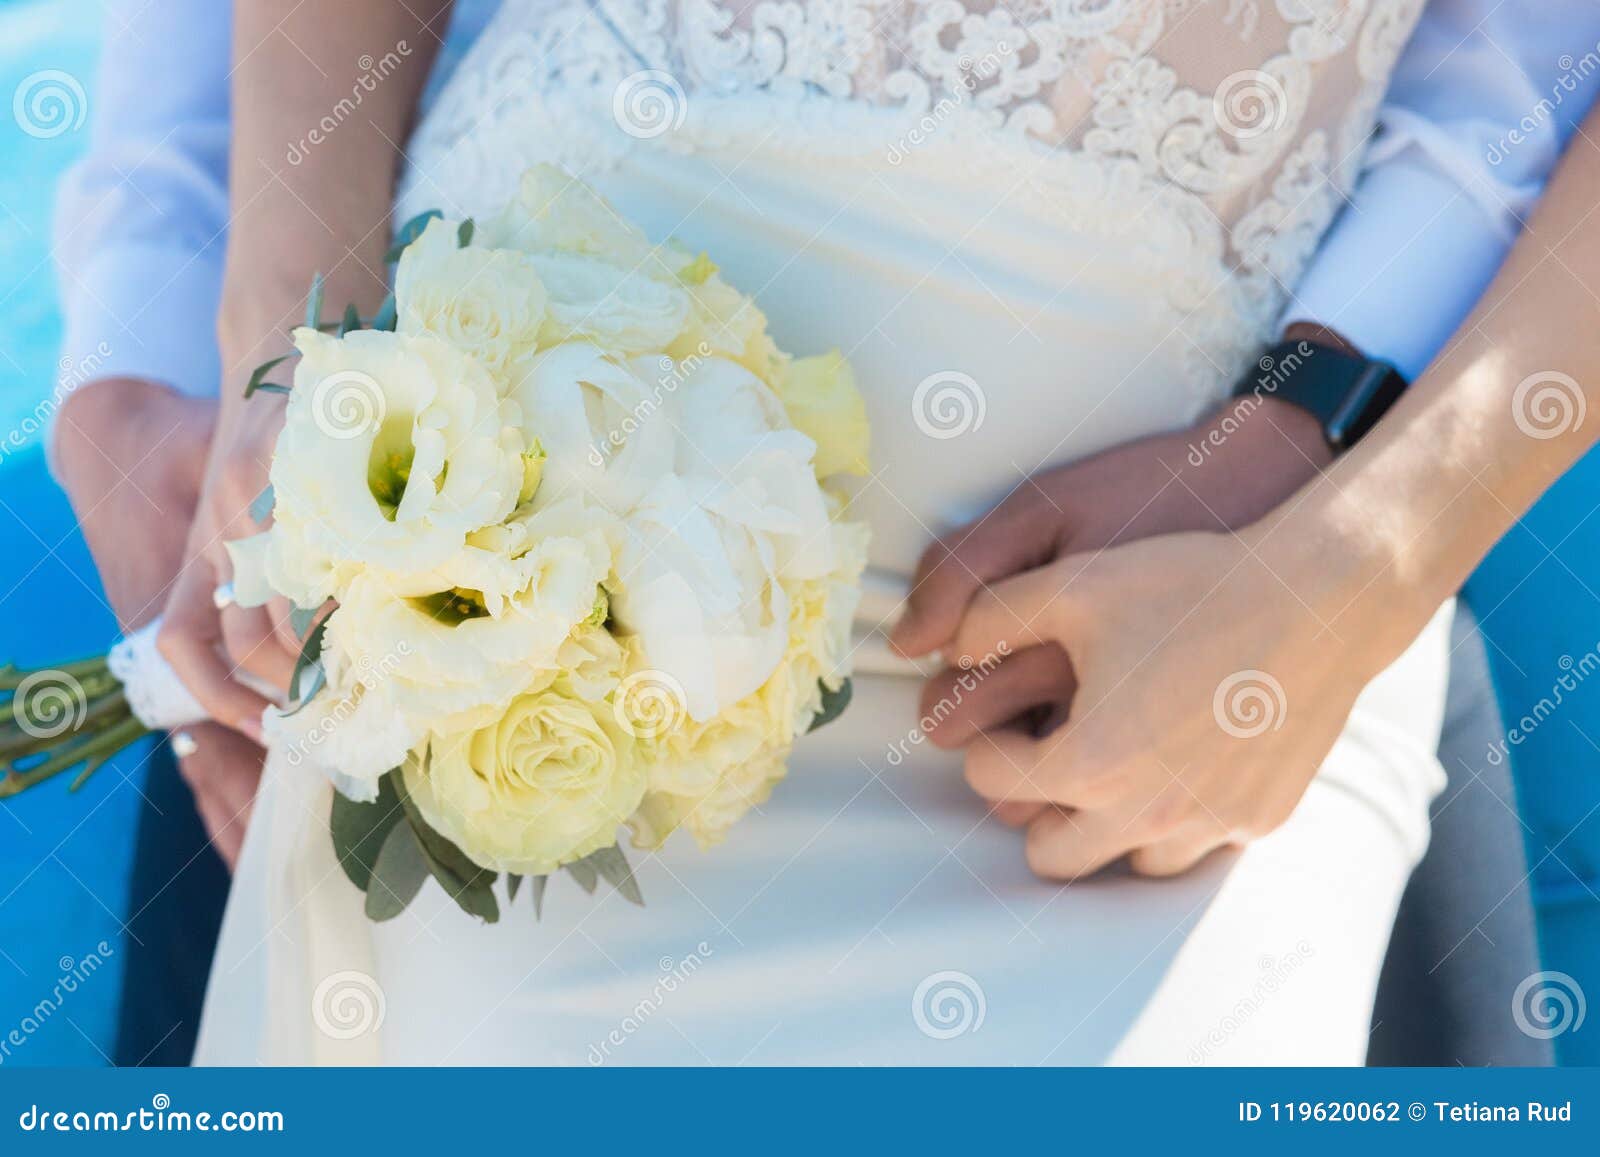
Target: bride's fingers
pixel 190 638
pixel 1068 847
pixel 1010 765
pixel 1010 616
pixel 960 703
pixel 280 611
pixel 252 643
pixel 1017 815
pixel 1175 854
pixel 1000 544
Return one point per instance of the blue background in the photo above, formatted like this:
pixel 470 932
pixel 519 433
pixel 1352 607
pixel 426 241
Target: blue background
pixel 64 859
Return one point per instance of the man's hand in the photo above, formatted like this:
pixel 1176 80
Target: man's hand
pixel 1224 473
pixel 131 455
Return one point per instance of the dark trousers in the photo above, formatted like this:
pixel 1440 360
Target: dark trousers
pixel 176 894
pixel 1464 937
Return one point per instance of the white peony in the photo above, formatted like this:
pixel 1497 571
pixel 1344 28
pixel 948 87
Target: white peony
pixel 710 547
pixel 625 310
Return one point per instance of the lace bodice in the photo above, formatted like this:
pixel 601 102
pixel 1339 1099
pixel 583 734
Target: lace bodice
pixel 1224 132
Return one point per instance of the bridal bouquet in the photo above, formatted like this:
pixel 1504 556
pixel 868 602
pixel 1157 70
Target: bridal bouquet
pixel 559 529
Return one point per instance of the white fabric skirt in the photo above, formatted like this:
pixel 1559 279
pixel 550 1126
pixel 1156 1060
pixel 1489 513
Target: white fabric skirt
pixel 869 913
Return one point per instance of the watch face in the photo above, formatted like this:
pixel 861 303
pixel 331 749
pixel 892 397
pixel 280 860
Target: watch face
pixel 1366 399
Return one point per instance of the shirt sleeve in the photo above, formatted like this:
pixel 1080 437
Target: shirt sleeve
pixel 1482 101
pixel 140 222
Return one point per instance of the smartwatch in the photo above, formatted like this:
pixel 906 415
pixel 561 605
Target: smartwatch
pixel 1345 392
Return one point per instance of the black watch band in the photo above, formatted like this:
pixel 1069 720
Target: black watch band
pixel 1345 392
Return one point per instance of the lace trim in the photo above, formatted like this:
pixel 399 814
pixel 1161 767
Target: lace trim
pixel 1085 102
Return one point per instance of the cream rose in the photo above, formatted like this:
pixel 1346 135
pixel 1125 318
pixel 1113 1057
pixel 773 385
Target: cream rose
pixel 545 784
pixel 625 310
pixel 487 303
pixel 555 212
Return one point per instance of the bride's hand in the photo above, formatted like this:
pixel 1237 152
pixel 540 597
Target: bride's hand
pixel 1212 681
pixel 207 644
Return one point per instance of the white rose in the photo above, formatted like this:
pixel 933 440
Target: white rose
pixel 556 212
pixel 624 310
pixel 395 449
pixel 487 303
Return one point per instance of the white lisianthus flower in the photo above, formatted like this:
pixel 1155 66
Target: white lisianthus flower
pixel 462 659
pixel 627 311
pixel 711 546
pixel 555 212
pixel 545 783
pixel 352 732
pixel 722 321
pixel 487 303
pixel 395 449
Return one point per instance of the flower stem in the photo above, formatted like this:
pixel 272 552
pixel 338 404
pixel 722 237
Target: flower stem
pixel 94 750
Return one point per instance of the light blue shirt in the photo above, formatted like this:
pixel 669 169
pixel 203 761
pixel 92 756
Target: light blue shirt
pixel 1482 102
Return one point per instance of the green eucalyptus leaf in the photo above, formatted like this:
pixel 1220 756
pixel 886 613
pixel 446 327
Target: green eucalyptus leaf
pixel 612 864
pixel 583 872
pixel 408 233
pixel 261 508
pixel 310 653
pixel 538 896
pixel 351 319
pixel 397 875
pixel 319 680
pixel 833 705
pixel 258 376
pixel 464 233
pixel 513 882
pixel 386 316
pixel 301 618
pixel 359 829
pixel 468 884
pixel 314 303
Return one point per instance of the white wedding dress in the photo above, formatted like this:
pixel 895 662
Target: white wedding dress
pixel 1078 219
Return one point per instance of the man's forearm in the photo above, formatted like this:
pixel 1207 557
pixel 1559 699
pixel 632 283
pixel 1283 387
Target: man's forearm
pixel 1478 438
pixel 323 99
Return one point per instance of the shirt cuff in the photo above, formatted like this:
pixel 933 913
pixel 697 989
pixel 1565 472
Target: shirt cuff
pixel 1403 266
pixel 141 310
